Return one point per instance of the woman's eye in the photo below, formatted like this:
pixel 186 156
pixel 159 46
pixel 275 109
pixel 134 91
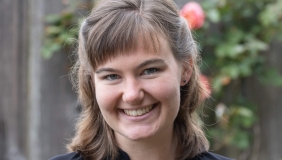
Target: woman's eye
pixel 150 71
pixel 111 77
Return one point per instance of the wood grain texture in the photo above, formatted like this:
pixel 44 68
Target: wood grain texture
pixel 37 103
pixel 13 78
pixel 268 100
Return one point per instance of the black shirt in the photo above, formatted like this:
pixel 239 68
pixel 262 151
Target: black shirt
pixel 124 156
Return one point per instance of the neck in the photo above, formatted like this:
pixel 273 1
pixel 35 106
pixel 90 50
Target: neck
pixel 160 147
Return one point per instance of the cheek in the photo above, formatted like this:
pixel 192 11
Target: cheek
pixel 166 90
pixel 105 97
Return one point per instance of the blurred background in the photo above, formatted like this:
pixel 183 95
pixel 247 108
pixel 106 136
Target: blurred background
pixel 240 43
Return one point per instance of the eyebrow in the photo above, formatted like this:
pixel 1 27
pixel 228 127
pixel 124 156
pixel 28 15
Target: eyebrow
pixel 143 64
pixel 151 61
pixel 105 70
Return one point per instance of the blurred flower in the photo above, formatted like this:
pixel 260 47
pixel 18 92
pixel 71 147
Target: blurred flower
pixel 206 87
pixel 194 14
pixel 225 80
pixel 220 110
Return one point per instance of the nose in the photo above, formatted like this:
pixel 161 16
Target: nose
pixel 133 92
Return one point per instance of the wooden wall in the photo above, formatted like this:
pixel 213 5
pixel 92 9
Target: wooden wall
pixel 13 79
pixel 268 100
pixel 37 103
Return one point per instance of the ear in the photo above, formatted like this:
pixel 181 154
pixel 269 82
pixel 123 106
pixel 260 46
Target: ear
pixel 186 73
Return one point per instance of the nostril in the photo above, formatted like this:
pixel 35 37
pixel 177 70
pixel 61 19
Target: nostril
pixel 133 97
pixel 132 93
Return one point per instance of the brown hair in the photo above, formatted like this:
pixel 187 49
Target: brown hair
pixel 116 27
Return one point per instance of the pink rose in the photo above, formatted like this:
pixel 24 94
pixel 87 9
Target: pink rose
pixel 194 14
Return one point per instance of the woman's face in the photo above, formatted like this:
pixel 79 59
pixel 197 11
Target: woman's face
pixel 139 93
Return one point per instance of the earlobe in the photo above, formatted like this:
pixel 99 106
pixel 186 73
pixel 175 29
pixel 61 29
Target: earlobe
pixel 183 82
pixel 186 75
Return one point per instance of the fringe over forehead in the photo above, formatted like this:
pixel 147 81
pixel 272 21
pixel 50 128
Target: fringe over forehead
pixel 116 27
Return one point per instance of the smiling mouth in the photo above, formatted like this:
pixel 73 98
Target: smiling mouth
pixel 138 112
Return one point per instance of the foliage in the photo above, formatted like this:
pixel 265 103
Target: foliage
pixel 234 43
pixel 61 29
pixel 59 33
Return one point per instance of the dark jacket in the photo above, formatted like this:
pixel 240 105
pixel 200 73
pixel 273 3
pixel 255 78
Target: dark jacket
pixel 124 156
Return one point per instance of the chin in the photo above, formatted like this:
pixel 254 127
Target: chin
pixel 138 138
pixel 136 135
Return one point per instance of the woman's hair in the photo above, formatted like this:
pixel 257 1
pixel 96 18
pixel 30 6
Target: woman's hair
pixel 116 27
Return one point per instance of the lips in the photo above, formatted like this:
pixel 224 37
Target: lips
pixel 138 112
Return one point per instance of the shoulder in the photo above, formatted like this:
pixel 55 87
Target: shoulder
pixel 68 156
pixel 210 156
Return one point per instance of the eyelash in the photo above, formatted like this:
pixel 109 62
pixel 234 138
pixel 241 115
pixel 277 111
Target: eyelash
pixel 108 77
pixel 148 71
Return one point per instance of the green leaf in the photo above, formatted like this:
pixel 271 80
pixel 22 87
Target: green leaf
pixel 272 77
pixel 230 50
pixel 242 116
pixel 272 14
pixel 217 84
pixel 53 30
pixel 213 15
pixel 67 16
pixel 235 36
pixel 245 112
pixel 245 66
pixel 53 18
pixel 46 53
pixel 241 140
pixel 232 70
pixel 55 47
pixel 49 49
pixel 256 45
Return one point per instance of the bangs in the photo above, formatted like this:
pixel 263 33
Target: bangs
pixel 121 32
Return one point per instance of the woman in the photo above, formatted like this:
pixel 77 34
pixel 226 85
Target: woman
pixel 138 83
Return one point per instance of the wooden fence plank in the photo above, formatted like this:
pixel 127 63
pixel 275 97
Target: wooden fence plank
pixel 36 17
pixel 12 81
pixel 58 100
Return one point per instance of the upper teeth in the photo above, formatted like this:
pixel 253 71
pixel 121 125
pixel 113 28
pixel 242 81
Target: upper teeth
pixel 138 112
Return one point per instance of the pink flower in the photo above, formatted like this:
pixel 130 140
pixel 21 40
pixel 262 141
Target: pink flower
pixel 194 14
pixel 204 82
